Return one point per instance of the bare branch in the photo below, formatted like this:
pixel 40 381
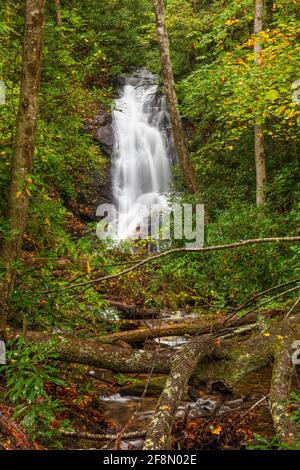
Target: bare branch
pixel 228 246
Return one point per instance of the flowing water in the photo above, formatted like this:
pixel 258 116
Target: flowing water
pixel 142 156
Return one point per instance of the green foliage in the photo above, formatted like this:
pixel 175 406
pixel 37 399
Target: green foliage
pixel 226 93
pixel 30 367
pixel 295 402
pixel 222 94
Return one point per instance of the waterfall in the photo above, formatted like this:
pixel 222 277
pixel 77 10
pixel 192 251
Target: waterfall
pixel 141 172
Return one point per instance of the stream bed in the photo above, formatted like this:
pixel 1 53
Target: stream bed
pixel 119 408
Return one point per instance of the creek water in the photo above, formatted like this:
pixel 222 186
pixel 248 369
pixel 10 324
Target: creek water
pixel 143 152
pixel 119 409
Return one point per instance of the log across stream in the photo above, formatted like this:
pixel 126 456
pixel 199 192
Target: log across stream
pixel 227 362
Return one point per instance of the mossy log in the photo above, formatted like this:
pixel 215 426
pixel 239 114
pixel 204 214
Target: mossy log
pixel 235 361
pixel 232 359
pixel 106 356
pixel 185 361
pixel 283 371
pixel 153 386
pixel 199 326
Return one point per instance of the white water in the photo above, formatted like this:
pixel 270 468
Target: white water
pixel 141 170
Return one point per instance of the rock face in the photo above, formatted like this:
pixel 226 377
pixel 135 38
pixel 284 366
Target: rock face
pixel 100 191
pixel 100 126
pixel 104 135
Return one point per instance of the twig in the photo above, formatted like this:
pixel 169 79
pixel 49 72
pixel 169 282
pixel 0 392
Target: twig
pixel 256 404
pixel 238 331
pixel 228 246
pixel 266 302
pixel 267 291
pixel 292 308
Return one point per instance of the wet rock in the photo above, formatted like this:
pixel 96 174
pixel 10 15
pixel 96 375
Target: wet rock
pixel 205 405
pixel 105 136
pixel 103 374
pixel 103 118
pixel 100 126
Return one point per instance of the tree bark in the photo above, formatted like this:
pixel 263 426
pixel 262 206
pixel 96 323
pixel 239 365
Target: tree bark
pixel 93 353
pixel 168 78
pixel 159 434
pixel 18 197
pixel 58 13
pixel 283 371
pixel 259 149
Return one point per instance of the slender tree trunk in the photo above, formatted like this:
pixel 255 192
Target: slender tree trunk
pixel 258 130
pixel 178 133
pixel 18 196
pixel 58 13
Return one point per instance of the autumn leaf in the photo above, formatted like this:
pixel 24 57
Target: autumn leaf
pixel 88 266
pixel 217 430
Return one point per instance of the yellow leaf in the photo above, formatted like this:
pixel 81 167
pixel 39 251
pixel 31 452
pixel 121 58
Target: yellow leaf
pixel 18 194
pixel 279 337
pixel 47 221
pixel 217 430
pixel 88 266
pixel 165 408
pixel 266 334
pixel 231 22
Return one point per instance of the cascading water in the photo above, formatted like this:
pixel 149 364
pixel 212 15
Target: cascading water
pixel 141 172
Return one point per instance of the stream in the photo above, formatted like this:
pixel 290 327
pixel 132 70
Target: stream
pixel 119 408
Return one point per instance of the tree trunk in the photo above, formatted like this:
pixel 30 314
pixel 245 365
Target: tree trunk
pixel 58 13
pixel 283 371
pixel 18 196
pixel 178 133
pixel 159 434
pixel 258 130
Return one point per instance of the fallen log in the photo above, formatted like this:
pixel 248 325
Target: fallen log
pixel 231 359
pixel 134 311
pixel 199 326
pixel 186 327
pixel 158 436
pixel 252 354
pixel 22 440
pixel 137 388
pixel 102 437
pixel 96 354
